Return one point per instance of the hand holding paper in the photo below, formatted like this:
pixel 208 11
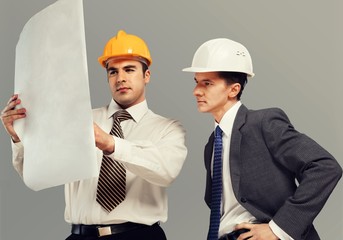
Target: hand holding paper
pixel 9 114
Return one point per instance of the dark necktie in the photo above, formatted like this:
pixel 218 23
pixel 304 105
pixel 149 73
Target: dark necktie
pixel 112 178
pixel 217 186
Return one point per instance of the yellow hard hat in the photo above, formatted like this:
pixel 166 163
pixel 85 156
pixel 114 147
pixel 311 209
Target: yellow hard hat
pixel 126 45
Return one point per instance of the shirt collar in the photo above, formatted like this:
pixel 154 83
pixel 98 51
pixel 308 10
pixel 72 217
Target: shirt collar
pixel 136 111
pixel 226 123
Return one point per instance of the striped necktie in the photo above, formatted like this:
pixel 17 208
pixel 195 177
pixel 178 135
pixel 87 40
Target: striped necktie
pixel 112 178
pixel 217 186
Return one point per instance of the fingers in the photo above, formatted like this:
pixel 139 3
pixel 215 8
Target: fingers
pixel 246 235
pixel 97 133
pixel 103 140
pixel 14 113
pixel 14 97
pixel 259 231
pixel 244 225
pixel 9 114
pixel 12 102
pixel 11 105
pixel 9 118
pixel 245 228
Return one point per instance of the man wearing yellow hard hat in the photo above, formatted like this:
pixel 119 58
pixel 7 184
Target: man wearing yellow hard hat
pixel 254 158
pixel 139 154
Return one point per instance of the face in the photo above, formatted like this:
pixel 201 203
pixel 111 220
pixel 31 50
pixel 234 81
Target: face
pixel 127 82
pixel 213 94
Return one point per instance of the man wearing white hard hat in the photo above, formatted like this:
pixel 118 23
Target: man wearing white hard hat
pixel 139 154
pixel 254 157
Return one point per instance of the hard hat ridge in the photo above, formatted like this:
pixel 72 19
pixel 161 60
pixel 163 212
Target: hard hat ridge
pixel 125 46
pixel 221 54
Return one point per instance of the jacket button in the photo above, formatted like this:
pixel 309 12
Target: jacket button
pixel 243 200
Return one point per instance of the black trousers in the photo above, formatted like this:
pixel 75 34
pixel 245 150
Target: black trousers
pixel 154 232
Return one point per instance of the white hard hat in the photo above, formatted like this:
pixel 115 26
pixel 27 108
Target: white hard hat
pixel 221 55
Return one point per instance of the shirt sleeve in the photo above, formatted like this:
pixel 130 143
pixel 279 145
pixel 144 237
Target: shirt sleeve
pixel 279 232
pixel 18 157
pixel 157 161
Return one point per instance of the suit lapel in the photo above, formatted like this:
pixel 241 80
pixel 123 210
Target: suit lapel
pixel 234 155
pixel 208 158
pixel 235 148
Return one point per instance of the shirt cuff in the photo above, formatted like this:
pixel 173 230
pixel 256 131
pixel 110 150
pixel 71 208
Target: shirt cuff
pixel 282 235
pixel 120 148
pixel 18 149
pixel 18 156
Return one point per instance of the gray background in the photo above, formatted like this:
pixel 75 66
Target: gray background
pixel 297 55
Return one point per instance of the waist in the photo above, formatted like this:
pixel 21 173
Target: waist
pixel 81 206
pixel 104 230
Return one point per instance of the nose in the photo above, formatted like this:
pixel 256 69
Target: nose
pixel 197 91
pixel 121 77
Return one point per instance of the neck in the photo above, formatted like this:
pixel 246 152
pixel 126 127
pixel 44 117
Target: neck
pixel 218 115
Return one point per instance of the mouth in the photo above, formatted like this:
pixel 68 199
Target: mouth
pixel 122 89
pixel 201 101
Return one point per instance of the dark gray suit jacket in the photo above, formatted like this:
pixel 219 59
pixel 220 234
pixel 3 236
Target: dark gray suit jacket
pixel 267 155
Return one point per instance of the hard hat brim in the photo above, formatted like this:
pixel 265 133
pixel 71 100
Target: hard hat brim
pixel 202 70
pixel 104 60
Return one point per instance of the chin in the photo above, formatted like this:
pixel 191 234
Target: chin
pixel 122 100
pixel 202 110
pixel 123 104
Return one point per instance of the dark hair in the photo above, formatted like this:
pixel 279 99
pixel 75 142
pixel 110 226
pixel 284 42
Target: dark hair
pixel 144 67
pixel 235 77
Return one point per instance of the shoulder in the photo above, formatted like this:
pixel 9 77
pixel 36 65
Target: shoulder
pixel 266 114
pixel 99 113
pixel 266 111
pixel 261 118
pixel 160 122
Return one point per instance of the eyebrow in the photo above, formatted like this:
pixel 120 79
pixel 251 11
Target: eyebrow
pixel 130 66
pixel 203 80
pixel 125 67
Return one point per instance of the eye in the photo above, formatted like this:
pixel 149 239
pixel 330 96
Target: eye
pixel 112 72
pixel 129 70
pixel 207 83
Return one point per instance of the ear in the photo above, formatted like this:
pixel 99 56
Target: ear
pixel 235 88
pixel 147 76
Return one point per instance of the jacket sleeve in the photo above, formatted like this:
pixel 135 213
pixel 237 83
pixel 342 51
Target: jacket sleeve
pixel 316 171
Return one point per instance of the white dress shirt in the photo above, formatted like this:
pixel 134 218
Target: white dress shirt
pixel 232 212
pixel 153 152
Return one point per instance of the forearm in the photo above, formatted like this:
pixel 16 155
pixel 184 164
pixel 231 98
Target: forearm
pixel 158 163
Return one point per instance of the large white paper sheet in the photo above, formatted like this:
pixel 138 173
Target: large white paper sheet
pixel 51 78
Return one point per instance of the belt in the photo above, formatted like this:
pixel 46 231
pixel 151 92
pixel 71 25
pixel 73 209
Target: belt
pixel 104 230
pixel 233 235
